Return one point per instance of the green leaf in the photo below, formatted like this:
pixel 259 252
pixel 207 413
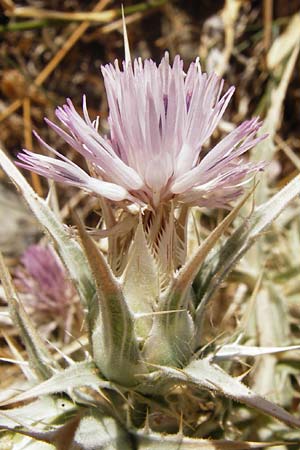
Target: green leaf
pixel 202 374
pixel 41 361
pixel 90 431
pixel 141 282
pixel 110 323
pixel 160 349
pixel 171 340
pixel 176 297
pixel 218 264
pixel 76 376
pixel 97 432
pixel 230 387
pixel 154 441
pixel 44 410
pixel 38 414
pixel 236 351
pixel 67 247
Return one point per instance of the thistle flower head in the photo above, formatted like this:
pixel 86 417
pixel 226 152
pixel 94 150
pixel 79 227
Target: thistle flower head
pixel 159 118
pixel 43 281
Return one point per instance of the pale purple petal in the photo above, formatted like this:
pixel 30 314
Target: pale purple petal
pixel 217 160
pixel 69 173
pixel 226 187
pixel 159 118
pixel 95 148
pixel 44 282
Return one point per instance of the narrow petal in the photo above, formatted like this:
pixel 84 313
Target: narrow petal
pixel 95 148
pixel 223 189
pixel 159 119
pixel 69 173
pixel 217 159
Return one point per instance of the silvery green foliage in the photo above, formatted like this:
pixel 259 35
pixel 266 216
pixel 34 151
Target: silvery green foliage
pixel 144 342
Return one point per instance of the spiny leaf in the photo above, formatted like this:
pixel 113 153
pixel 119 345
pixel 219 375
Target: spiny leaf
pixel 175 352
pixel 96 431
pixel 202 374
pixel 233 351
pixel 153 441
pixel 231 387
pixel 42 411
pixel 141 281
pixel 115 348
pixel 40 359
pixel 171 338
pixel 61 437
pixel 76 376
pixel 175 298
pixel 67 247
pixel 88 431
pixel 218 265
